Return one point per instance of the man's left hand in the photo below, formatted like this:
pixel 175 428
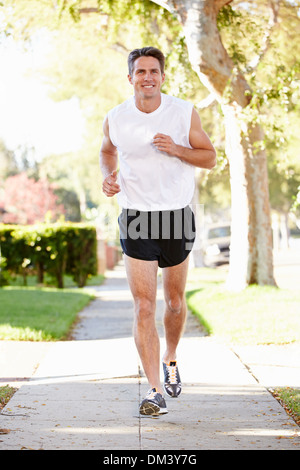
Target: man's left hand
pixel 165 143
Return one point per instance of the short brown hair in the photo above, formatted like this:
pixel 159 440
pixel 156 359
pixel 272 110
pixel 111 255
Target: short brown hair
pixel 146 51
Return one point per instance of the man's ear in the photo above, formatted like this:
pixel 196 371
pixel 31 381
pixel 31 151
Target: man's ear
pixel 163 77
pixel 129 78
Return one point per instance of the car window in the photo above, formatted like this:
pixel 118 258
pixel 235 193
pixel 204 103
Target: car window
pixel 219 232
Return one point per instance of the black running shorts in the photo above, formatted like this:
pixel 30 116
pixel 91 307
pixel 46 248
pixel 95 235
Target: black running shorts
pixel 165 236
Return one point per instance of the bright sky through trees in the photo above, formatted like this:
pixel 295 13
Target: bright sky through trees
pixel 28 117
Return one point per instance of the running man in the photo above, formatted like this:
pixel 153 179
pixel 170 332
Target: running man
pixel 157 140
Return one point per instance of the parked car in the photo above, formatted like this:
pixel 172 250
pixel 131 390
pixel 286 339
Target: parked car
pixel 216 244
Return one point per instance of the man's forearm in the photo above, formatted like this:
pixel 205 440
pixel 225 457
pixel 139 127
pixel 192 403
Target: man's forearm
pixel 202 158
pixel 202 155
pixel 108 163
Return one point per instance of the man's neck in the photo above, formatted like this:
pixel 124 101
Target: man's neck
pixel 148 105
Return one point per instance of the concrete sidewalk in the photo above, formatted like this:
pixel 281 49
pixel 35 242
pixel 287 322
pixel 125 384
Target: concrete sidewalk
pixel 85 392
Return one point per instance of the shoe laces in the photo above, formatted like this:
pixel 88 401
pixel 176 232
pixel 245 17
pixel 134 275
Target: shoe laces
pixel 152 393
pixel 172 372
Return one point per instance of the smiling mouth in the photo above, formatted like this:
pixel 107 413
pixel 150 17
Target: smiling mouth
pixel 148 86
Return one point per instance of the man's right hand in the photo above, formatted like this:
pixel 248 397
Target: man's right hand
pixel 110 186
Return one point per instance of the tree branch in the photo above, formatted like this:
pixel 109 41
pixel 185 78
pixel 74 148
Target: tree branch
pixel 221 3
pixel 207 54
pixel 274 6
pixel 206 102
pixel 163 4
pixel 120 48
pixel 89 10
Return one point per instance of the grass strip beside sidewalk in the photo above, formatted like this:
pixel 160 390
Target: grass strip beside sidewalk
pixel 290 399
pixel 256 315
pixel 6 393
pixel 39 314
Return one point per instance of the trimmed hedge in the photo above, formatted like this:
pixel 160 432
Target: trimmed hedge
pixel 56 249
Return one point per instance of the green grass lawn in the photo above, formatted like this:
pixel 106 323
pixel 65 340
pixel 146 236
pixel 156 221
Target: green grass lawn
pixel 6 393
pixel 39 314
pixel 290 399
pixel 257 315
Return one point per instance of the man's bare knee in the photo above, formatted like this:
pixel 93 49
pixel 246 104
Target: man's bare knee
pixel 144 310
pixel 175 305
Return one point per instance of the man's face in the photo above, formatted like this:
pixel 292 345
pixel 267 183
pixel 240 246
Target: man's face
pixel 146 77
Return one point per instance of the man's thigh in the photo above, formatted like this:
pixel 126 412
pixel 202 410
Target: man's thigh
pixel 174 280
pixel 142 278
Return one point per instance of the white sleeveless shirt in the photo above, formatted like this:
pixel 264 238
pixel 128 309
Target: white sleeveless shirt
pixel 152 180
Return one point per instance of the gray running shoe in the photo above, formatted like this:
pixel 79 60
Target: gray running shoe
pixel 153 404
pixel 172 382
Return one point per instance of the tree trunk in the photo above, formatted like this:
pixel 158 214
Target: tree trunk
pixel 40 272
pixel 251 255
pixel 197 252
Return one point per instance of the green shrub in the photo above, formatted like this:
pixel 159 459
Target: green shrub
pixel 4 275
pixel 82 254
pixel 56 249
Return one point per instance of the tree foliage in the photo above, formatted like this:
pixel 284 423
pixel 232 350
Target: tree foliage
pixel 261 39
pixel 91 39
pixel 87 59
pixel 27 201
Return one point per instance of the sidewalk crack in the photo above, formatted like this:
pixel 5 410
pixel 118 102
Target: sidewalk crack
pixel 139 416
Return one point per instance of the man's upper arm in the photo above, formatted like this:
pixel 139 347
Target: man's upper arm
pixel 107 146
pixel 197 137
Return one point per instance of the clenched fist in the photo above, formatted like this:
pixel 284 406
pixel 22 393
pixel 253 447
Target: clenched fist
pixel 110 186
pixel 165 143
